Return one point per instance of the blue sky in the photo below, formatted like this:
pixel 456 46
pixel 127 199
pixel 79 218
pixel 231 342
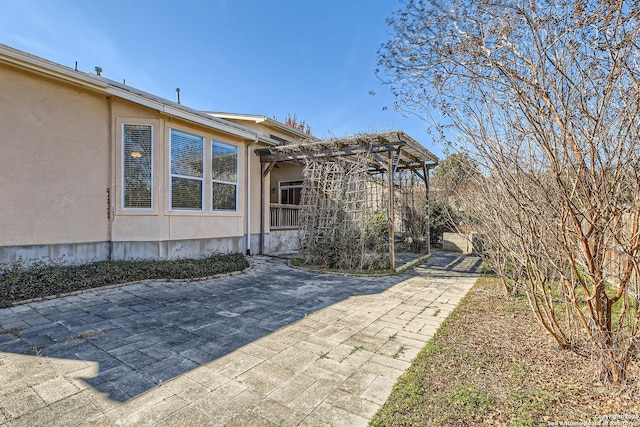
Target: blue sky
pixel 312 58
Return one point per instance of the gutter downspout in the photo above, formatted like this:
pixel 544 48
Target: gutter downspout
pixel 261 207
pixel 112 185
pixel 248 215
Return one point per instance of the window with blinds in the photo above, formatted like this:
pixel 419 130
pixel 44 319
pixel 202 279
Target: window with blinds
pixel 187 167
pixel 137 168
pixel 224 174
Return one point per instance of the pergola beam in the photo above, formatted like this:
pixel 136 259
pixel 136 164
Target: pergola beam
pixel 268 169
pixel 270 155
pixel 410 154
pixel 421 176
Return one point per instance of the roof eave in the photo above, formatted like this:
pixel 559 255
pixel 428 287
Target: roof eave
pixel 264 119
pixel 48 68
pixel 45 67
pixel 176 110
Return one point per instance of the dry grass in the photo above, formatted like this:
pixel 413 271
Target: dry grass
pixel 491 363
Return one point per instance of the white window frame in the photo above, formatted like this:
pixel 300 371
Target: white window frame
pixel 236 183
pixel 122 176
pixel 201 179
pixel 288 185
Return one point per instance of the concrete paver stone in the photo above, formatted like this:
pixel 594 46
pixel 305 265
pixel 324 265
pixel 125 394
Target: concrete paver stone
pixel 273 346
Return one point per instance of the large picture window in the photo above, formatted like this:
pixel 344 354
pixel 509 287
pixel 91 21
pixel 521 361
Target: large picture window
pixel 137 166
pixel 224 174
pixel 187 167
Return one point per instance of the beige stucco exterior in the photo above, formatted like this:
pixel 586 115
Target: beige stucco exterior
pixel 285 172
pixel 54 161
pixel 61 158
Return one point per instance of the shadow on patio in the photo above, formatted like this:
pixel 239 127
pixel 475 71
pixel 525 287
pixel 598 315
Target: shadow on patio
pixel 145 334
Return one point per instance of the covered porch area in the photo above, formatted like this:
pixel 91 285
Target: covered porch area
pixel 366 193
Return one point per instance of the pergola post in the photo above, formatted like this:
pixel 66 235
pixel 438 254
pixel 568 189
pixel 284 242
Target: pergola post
pixel 391 213
pixel 425 171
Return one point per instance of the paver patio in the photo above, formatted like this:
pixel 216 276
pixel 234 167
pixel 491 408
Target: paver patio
pixel 271 346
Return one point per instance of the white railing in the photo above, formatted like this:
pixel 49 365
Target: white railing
pixel 284 217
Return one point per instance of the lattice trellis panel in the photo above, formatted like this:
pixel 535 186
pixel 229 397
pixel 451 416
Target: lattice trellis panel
pixel 344 216
pixel 336 227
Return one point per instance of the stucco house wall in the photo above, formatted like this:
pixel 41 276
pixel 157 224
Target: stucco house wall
pixel 61 157
pixel 54 165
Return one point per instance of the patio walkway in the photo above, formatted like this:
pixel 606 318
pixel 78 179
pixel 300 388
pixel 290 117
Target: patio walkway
pixel 273 346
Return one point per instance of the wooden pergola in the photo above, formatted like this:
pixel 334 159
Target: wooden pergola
pixel 387 152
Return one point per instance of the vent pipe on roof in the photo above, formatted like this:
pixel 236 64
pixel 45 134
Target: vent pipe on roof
pixel 98 70
pixel 178 94
pixel 76 67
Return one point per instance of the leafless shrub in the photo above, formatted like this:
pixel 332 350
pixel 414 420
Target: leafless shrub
pixel 545 96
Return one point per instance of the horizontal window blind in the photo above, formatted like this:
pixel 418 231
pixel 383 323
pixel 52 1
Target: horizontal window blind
pixel 224 174
pixel 224 196
pixel 225 162
pixel 137 166
pixel 186 154
pixel 186 193
pixel 187 167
